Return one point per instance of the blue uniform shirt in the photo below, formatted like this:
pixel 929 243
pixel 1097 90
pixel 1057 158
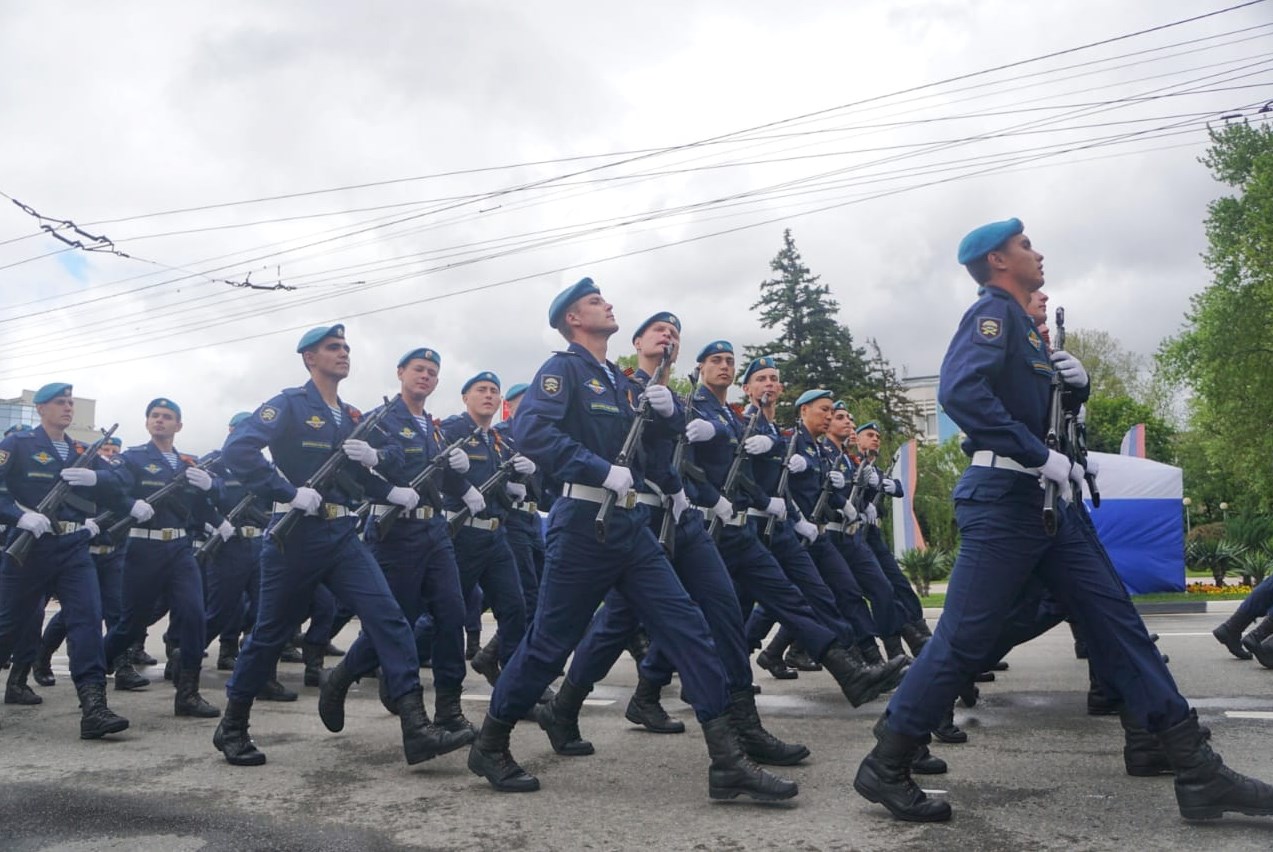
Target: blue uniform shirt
pixel 575 416
pixel 228 490
pixel 407 449
pixel 150 471
pixel 298 428
pixel 30 466
pixel 996 386
pixel 486 453
pixel 656 454
pixel 716 455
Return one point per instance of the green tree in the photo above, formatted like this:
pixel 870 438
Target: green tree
pixel 1109 418
pixel 1112 369
pixel 938 468
pixel 815 350
pixel 1224 354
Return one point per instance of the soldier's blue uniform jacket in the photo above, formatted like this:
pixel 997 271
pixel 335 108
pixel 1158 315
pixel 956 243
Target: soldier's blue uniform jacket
pixel 301 433
pixel 30 466
pixel 577 419
pixel 228 490
pixel 486 453
pixel 407 449
pixel 715 456
pixel 150 471
pixel 657 455
pixel 806 487
pixel 534 483
pixel 766 467
pixel 996 384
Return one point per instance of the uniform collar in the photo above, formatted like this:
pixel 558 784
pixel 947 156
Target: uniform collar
pixel 43 438
pixel 316 398
pixel 578 349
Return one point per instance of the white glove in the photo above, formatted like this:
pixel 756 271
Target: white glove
pixel 1060 470
pixel 458 460
pixel 226 531
pixel 890 487
pixel 200 479
pixel 523 465
pixel 142 511
pixel 515 490
pixel 307 500
pixel 362 452
pixel 80 476
pixel 837 479
pixel 1069 368
pixel 34 523
pixel 697 431
pixel 849 513
pixel 723 509
pixel 777 507
pixel 661 400
pixel 407 498
pixel 618 480
pixel 474 501
pixel 873 478
pixel 758 445
pixel 797 464
pixel 93 529
pixel 1092 466
pixel 679 504
pixel 806 530
pixel 871 514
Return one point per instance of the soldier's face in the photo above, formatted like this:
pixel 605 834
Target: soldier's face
pixel 57 412
pixel 1022 263
pixel 869 441
pixel 763 382
pixel 817 416
pixel 841 425
pixel 108 451
pixel 162 422
pixel 482 399
pixel 718 370
pixel 512 404
pixel 1038 308
pixel 593 314
pixel 653 340
pixel 418 377
pixel 329 358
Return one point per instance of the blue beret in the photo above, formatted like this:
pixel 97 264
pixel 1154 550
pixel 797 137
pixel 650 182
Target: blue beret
pixel 764 362
pixel 981 241
pixel 714 347
pixel 812 396
pixel 425 354
pixel 840 405
pixel 484 376
pixel 239 418
pixel 51 391
pixel 16 427
pixel 115 441
pixel 163 402
pixel 566 298
pixel 870 424
pixel 315 335
pixel 517 390
pixel 662 316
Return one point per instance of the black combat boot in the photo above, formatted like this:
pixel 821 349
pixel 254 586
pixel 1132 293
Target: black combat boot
pixel 775 666
pixel 292 650
pixel 43 669
pixel 231 738
pixel 137 655
pixel 312 656
pixel 760 745
pixel 1205 787
pixel 126 677
pixel 1100 700
pixel 490 758
pixel 333 650
pixel 639 645
pixel 173 653
pixel 1254 642
pixel 421 739
pixel 559 719
pixel 472 643
pixel 859 682
pixel 733 773
pixel 1143 752
pixel 948 731
pixel 486 661
pixel 644 709
pixel 893 646
pixel 227 653
pixel 969 694
pixel 96 719
pixel 447 712
pixel 925 762
pixel 884 777
pixel 382 692
pixel 275 691
pixel 798 658
pixel 188 701
pixel 17 690
pixel 870 652
pixel 916 633
pixel 331 696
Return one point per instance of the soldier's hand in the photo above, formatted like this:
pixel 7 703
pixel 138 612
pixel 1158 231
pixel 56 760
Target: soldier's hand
pixel 200 479
pixel 723 510
pixel 523 465
pixel 777 507
pixel 806 530
pixel 661 400
pixel 407 498
pixel 225 530
pixel 34 523
pixel 93 529
pixel 307 500
pixel 698 430
pixel 474 501
pixel 141 511
pixel 1070 369
pixel 1092 466
pixel 679 504
pixel 837 479
pixel 797 464
pixel 81 477
pixel 362 452
pixel 458 460
pixel 758 445
pixel 890 487
pixel 850 514
pixel 873 478
pixel 515 490
pixel 619 480
pixel 870 514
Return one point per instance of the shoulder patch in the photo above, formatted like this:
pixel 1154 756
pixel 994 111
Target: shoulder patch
pixel 550 385
pixel 989 327
pixel 268 413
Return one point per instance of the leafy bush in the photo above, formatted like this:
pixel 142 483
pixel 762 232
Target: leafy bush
pixel 1218 556
pixel 1256 563
pixel 922 567
pixel 1207 532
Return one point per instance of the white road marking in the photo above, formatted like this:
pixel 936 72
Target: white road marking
pixel 934 792
pixel 588 702
pixel 1249 714
pixel 1161 633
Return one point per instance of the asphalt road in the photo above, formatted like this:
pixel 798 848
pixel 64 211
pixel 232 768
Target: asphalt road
pixel 1038 773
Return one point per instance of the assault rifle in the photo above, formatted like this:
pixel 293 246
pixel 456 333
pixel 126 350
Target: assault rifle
pixel 501 475
pixel 781 491
pixel 209 549
pixel 1056 430
pixel 425 484
pixel 53 500
pixel 119 529
pixel 682 466
pixel 734 478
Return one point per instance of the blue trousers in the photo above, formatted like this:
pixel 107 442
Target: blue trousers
pixel 231 579
pixel 908 604
pixel 419 564
pixel 578 573
pixel 1003 548
pixel 703 574
pixel 110 576
pixel 473 606
pixel 849 598
pixel 1259 603
pixel 485 560
pixel 154 570
pixel 871 580
pixel 521 533
pixel 327 552
pixel 58 565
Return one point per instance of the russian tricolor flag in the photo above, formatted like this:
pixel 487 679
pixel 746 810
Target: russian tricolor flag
pixel 1134 442
pixel 906 532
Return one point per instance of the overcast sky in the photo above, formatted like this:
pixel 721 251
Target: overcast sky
pixel 114 112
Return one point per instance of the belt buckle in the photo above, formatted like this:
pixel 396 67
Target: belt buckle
pixel 629 500
pixel 329 512
pixel 165 535
pixel 494 524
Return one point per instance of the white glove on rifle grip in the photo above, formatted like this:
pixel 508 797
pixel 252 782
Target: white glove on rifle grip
pixel 758 445
pixel 777 507
pixel 142 511
pixel 400 495
pixel 698 430
pixel 307 500
pixel 81 477
pixel 890 487
pixel 34 523
pixel 797 464
pixel 458 460
pixel 723 509
pixel 474 500
pixel 93 529
pixel 200 479
pixel 523 465
pixel 1061 471
pixel 870 515
pixel 806 530
pixel 226 530
pixel 837 479
pixel 360 451
pixel 515 490
pixel 679 504
pixel 619 480
pixel 1070 368
pixel 873 479
pixel 661 400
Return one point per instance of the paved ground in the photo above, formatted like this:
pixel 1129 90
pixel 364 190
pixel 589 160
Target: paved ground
pixel 1039 774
